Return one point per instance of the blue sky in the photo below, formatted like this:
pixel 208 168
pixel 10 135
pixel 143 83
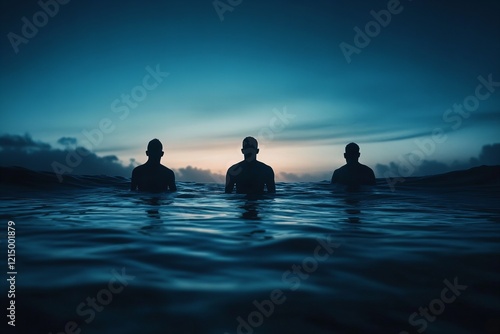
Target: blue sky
pixel 232 78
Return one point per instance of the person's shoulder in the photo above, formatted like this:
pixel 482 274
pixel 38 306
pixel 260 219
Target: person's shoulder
pixel 235 166
pixel 165 169
pixel 366 168
pixel 138 169
pixel 341 169
pixel 265 167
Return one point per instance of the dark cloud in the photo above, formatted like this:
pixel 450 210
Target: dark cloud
pixel 336 131
pixel 24 143
pixel 292 177
pixel 23 151
pixel 339 130
pixel 489 155
pixel 67 141
pixel 194 174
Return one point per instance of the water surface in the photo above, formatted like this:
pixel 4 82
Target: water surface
pixel 199 261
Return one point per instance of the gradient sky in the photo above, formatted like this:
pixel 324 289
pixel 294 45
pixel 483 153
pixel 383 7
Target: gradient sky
pixel 228 79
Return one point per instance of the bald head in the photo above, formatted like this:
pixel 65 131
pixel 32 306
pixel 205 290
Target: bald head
pixel 250 148
pixel 250 142
pixel 155 145
pixel 155 150
pixel 351 153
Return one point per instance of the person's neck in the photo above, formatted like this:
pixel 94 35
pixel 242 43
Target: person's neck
pixel 153 161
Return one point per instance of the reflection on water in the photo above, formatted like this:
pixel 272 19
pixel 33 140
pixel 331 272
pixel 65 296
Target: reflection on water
pixel 201 258
pixel 352 210
pixel 353 215
pixel 153 212
pixel 250 210
pixel 152 205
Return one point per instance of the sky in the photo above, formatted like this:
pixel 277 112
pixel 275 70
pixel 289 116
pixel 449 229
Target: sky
pixel 415 83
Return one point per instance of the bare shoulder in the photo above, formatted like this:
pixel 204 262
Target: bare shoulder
pixel 367 169
pixel 266 168
pixel 341 169
pixel 138 169
pixel 234 167
pixel 167 170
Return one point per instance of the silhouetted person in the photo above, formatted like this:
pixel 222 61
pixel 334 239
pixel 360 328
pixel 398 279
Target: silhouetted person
pixel 353 173
pixel 153 176
pixel 250 175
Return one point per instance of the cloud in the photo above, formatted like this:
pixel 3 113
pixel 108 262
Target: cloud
pixel 23 151
pixel 292 177
pixel 67 141
pixel 25 143
pixel 194 174
pixel 312 127
pixel 489 155
pixel 337 131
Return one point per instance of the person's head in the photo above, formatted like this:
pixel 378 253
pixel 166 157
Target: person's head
pixel 250 148
pixel 351 153
pixel 155 150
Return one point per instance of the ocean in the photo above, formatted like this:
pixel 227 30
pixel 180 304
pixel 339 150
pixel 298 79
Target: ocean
pixel 93 257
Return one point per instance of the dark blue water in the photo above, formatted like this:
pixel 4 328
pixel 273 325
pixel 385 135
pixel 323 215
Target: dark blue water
pixel 94 257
